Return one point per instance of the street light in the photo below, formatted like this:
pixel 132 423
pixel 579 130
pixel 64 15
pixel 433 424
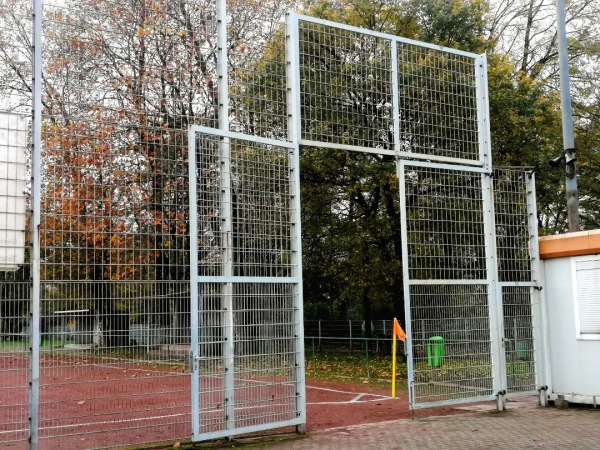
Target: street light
pixel 568 155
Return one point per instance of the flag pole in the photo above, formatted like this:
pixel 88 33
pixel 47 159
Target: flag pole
pixel 394 363
pixel 398 333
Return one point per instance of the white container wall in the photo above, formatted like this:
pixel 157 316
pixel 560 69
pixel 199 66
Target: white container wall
pixel 574 352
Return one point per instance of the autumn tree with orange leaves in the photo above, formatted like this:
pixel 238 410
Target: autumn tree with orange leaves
pixel 122 83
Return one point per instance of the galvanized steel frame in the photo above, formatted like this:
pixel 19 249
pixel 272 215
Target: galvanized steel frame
pixel 481 166
pixel 36 154
pixel 228 280
pixel 480 70
pixel 494 305
pixel 294 114
pixel 536 294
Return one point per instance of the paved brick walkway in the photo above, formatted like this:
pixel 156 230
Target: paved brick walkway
pixel 523 426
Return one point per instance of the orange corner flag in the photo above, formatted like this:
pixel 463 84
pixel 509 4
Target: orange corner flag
pixel 398 331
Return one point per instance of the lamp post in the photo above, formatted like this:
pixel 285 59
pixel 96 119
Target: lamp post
pixel 567 120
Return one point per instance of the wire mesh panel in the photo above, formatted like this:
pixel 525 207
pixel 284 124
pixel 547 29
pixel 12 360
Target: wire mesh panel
pixel 114 371
pixel 14 360
pixel 249 359
pixel 512 225
pixel 122 82
pixel 353 81
pixel 437 97
pixel 265 384
pixel 451 347
pixel 15 288
pixel 346 79
pixel 519 339
pixel 257 75
pixel 264 381
pixel 15 219
pixel 516 244
pixel 260 180
pixel 445 227
pixel 449 306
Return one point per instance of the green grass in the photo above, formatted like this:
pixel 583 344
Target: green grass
pixel 23 345
pixel 353 366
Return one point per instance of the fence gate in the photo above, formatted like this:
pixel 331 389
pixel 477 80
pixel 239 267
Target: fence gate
pixel 519 283
pixel 375 93
pixel 247 339
pixel 449 284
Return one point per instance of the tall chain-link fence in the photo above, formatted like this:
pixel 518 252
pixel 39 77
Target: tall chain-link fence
pixel 130 313
pixel 121 84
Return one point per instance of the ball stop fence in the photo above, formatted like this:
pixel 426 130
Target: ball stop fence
pixel 151 255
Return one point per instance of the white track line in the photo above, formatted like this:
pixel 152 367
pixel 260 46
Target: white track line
pixel 104 422
pixel 348 392
pixel 352 402
pixel 357 399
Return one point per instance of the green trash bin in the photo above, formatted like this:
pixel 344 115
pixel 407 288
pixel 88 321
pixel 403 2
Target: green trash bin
pixel 522 350
pixel 435 351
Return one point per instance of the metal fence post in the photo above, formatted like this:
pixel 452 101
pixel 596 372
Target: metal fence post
pixel 314 357
pixel 537 310
pixel 367 356
pixel 294 124
pixel 34 341
pixel 226 219
pixel 350 328
pixel 319 334
pixel 494 291
pixel 194 347
pixel 494 298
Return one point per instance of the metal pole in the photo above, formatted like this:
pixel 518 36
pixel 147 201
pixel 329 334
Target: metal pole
pixel 319 334
pixel 294 124
pixel 314 357
pixel 367 356
pixel 537 309
pixel 226 219
pixel 350 325
pixel 567 119
pixel 36 154
pixel 408 342
pixel 194 320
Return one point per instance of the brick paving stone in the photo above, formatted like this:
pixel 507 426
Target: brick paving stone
pixel 523 426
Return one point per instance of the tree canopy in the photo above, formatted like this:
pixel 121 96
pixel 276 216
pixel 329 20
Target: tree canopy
pixel 350 215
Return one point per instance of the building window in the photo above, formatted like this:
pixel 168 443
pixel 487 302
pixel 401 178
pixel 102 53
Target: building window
pixel 587 297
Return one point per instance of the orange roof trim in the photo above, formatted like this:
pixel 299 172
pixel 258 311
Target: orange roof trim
pixel 570 244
